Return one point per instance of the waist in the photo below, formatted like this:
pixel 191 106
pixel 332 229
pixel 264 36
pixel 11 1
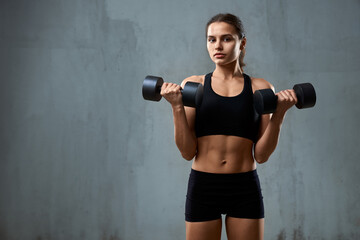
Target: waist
pixel 208 176
pixel 224 154
pixel 222 146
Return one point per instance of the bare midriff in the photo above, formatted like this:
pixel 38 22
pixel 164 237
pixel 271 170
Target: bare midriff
pixel 224 154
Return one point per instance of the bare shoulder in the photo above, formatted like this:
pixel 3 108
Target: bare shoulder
pixel 260 83
pixel 194 78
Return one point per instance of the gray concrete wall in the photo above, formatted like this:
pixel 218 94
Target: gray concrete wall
pixel 83 156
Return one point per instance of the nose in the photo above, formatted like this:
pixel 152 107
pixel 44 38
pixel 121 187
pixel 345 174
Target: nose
pixel 218 45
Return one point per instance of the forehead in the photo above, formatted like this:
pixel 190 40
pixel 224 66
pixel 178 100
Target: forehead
pixel 220 28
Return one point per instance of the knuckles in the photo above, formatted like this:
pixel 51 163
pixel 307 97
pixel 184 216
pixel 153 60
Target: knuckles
pixel 169 88
pixel 287 96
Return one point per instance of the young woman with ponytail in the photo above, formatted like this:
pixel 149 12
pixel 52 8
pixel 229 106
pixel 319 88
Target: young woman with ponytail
pixel 226 138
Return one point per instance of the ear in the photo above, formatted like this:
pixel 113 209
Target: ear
pixel 243 43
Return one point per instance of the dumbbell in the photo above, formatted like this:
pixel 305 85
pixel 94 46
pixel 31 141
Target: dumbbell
pixel 192 93
pixel 265 100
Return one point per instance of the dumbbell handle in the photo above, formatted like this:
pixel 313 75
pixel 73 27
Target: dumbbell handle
pixel 158 89
pixel 191 93
pixel 187 98
pixel 148 86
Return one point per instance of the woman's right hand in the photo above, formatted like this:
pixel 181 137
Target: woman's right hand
pixel 286 99
pixel 171 92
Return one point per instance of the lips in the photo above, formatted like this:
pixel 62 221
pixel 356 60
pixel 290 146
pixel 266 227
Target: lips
pixel 219 55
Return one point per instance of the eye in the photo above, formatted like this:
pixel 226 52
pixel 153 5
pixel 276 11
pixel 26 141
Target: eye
pixel 227 39
pixel 211 40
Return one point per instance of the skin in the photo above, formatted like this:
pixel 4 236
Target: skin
pixel 220 153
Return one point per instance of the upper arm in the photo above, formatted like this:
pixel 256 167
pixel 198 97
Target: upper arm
pixel 190 111
pixel 257 84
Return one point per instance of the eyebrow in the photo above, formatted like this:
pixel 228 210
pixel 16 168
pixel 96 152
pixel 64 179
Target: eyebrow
pixel 225 35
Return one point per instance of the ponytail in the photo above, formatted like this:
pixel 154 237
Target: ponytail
pixel 241 59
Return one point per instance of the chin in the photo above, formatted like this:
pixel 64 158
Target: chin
pixel 222 63
pixel 219 61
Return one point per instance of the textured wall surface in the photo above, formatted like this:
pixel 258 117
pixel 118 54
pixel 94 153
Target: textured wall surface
pixel 83 156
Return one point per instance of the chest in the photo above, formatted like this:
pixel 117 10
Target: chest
pixel 238 108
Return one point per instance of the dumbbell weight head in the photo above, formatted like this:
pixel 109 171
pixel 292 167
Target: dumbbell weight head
pixel 192 94
pixel 152 87
pixel 265 101
pixel 306 95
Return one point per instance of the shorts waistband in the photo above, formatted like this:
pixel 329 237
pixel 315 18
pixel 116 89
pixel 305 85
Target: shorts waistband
pixel 208 175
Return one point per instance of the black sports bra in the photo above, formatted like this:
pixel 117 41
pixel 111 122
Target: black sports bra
pixel 219 115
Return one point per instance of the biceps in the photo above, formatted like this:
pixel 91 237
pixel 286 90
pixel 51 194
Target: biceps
pixel 190 117
pixel 264 122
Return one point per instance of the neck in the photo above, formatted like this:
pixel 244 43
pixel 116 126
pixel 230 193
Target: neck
pixel 228 71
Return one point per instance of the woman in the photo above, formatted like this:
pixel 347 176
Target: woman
pixel 226 137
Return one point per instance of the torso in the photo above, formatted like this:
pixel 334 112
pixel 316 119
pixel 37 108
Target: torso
pixel 223 153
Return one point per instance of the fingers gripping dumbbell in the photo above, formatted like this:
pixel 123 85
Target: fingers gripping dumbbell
pixel 265 100
pixel 192 93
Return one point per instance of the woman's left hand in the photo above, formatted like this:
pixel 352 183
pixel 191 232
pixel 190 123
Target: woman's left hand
pixel 286 99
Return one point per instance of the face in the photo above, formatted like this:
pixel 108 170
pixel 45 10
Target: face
pixel 223 43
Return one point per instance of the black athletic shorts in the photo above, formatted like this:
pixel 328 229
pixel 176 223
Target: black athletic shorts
pixel 211 194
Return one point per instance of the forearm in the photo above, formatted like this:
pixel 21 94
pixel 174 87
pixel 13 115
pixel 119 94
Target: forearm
pixel 266 145
pixel 185 139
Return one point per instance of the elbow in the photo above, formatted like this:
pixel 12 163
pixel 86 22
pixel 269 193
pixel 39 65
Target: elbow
pixel 188 156
pixel 261 154
pixel 261 158
pixel 188 152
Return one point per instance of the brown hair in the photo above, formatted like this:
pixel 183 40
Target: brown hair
pixel 237 24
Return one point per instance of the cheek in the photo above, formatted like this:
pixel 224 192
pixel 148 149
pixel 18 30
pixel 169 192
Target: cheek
pixel 233 48
pixel 210 50
pixel 237 48
pixel 235 51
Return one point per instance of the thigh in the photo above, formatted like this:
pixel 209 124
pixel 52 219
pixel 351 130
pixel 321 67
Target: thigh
pixel 209 230
pixel 244 229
